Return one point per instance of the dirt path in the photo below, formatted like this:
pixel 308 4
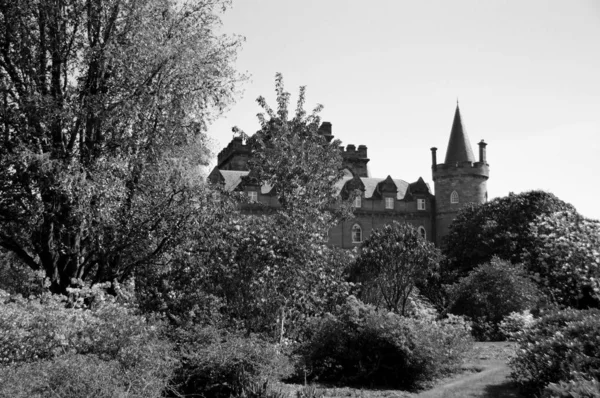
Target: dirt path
pixel 489 379
pixel 492 381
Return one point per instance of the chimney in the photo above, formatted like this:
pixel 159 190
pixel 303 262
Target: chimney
pixel 434 158
pixel 482 146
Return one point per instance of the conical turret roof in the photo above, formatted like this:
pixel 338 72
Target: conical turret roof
pixel 459 147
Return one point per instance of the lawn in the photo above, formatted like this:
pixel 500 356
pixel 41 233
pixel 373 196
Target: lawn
pixel 485 374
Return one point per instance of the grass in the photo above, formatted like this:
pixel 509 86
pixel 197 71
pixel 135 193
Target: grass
pixel 485 374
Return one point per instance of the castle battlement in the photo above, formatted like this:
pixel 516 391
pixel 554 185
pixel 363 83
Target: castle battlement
pixel 461 169
pixel 352 152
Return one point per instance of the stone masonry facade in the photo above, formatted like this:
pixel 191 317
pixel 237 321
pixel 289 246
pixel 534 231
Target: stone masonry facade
pixel 458 181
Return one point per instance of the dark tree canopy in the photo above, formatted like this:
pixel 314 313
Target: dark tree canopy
pixel 492 291
pixel 103 108
pixel 500 227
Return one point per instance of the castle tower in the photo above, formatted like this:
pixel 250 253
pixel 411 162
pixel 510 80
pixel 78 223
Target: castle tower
pixel 458 181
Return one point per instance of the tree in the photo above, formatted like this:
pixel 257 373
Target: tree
pixel 392 261
pixel 297 162
pixel 265 272
pixel 566 258
pixel 490 292
pixel 100 100
pixel 500 227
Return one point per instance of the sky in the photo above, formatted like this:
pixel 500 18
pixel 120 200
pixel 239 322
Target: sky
pixel 389 73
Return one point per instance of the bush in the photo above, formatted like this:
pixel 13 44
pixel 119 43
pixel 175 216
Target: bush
pixel 558 347
pixel 489 293
pixel 38 332
pixel 363 346
pixel 514 323
pixel 68 376
pixel 218 364
pixel 578 388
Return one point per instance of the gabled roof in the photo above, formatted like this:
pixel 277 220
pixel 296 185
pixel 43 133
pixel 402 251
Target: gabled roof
pixel 419 186
pixel 231 180
pixel 371 185
pixel 459 147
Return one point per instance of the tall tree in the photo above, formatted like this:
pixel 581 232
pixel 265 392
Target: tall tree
pixel 99 101
pixel 302 167
pixel 393 260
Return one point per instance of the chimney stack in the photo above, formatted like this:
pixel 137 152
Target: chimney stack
pixel 434 158
pixel 482 146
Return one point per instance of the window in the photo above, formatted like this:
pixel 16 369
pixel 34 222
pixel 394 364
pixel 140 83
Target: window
pixel 326 237
pixel 357 202
pixel 389 203
pixel 253 196
pixel 420 204
pixel 454 197
pixel 356 234
pixel 422 232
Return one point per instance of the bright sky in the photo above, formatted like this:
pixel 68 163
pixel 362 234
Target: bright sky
pixel 526 73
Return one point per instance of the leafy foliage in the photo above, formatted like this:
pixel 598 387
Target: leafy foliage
pixel 364 346
pixel 500 227
pixel 392 261
pixel 263 272
pixel 560 346
pixel 104 105
pixel 45 346
pixel 516 322
pixel 566 258
pixel 580 387
pixel 489 293
pixel 216 364
pixel 292 157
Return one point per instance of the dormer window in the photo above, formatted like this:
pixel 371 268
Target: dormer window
pixel 356 234
pixel 420 204
pixel 389 203
pixel 454 197
pixel 253 196
pixel 357 202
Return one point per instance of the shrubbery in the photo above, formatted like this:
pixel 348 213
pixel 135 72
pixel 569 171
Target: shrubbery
pixel 489 293
pixel 559 347
pixel 218 364
pixel 580 387
pixel 514 323
pixel 363 346
pixel 39 337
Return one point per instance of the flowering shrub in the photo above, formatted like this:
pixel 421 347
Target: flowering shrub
pixel 580 387
pixel 41 331
pixel 558 347
pixel 219 364
pixel 514 323
pixel 566 258
pixel 68 376
pixel 361 345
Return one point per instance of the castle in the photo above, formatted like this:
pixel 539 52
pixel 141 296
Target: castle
pixel 458 181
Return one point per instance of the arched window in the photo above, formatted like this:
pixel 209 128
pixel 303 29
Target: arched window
pixel 422 232
pixel 454 197
pixel 356 234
